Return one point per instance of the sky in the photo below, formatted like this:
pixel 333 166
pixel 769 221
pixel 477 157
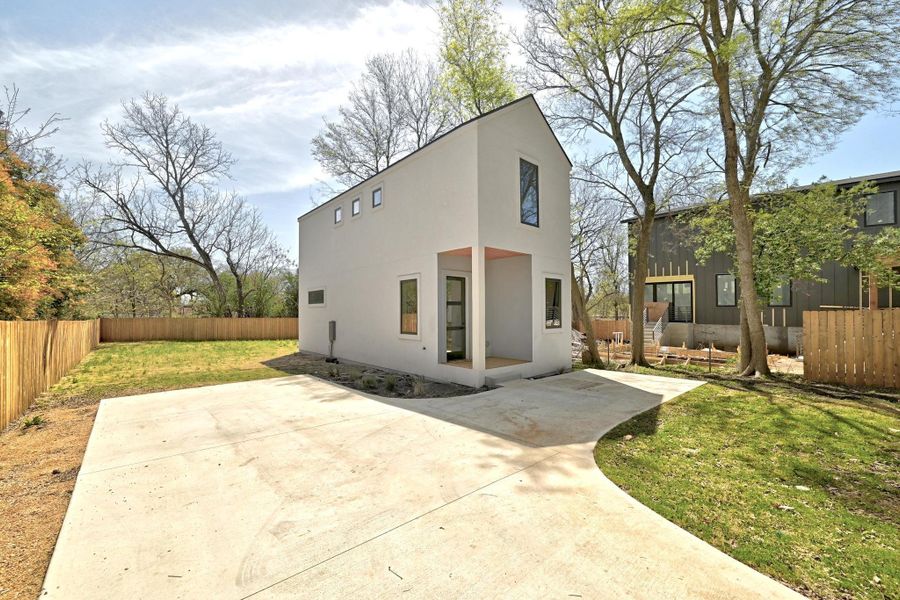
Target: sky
pixel 262 76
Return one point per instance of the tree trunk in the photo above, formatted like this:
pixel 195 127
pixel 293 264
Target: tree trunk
pixel 641 260
pixel 745 342
pixel 581 317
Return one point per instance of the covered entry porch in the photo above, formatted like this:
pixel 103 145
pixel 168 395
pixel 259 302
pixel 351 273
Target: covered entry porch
pixel 485 308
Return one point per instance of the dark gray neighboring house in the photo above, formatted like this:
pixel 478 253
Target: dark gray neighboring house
pixel 703 298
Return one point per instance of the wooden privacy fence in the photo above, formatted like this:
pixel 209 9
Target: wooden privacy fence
pixel 604 328
pixel 36 354
pixel 852 347
pixel 203 329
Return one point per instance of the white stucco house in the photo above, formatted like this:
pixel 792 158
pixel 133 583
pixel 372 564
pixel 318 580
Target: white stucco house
pixel 452 263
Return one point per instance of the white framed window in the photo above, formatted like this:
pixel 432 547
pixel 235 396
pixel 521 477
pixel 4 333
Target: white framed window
pixel 529 196
pixel 377 196
pixel 553 303
pixel 338 214
pixel 355 207
pixel 315 297
pixel 409 305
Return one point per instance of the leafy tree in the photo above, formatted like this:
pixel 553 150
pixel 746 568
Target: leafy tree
pixel 39 275
pixel 617 75
pixel 473 49
pixel 787 76
pixel 796 232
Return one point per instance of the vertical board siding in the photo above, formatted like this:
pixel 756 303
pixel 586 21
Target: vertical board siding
pixel 604 328
pixel 852 347
pixel 206 329
pixel 36 354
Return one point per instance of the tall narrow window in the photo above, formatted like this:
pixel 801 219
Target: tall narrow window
pixel 338 214
pixel 881 209
pixel 781 296
pixel 529 202
pixel 725 290
pixel 409 306
pixel 354 207
pixel 376 197
pixel 553 305
pixel 315 297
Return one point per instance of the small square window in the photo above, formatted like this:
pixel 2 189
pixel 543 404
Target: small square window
pixel 781 296
pixel 409 306
pixel 354 207
pixel 315 297
pixel 881 209
pixel 376 197
pixel 553 304
pixel 528 193
pixel 338 214
pixel 726 290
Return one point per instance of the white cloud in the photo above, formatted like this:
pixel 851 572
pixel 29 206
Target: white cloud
pixel 263 88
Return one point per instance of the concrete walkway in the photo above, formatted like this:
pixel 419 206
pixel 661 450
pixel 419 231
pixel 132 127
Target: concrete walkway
pixel 294 487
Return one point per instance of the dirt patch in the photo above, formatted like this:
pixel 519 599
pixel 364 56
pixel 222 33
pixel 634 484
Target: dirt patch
pixel 371 380
pixel 38 466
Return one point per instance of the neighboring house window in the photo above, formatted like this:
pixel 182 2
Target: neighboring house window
pixel 726 290
pixel 409 306
pixel 881 209
pixel 376 197
pixel 354 207
pixel 315 297
pixel 553 304
pixel 528 193
pixel 338 214
pixel 781 296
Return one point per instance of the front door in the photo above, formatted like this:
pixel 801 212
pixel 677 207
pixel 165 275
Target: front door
pixel 456 318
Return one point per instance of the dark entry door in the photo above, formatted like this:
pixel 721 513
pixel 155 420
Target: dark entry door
pixel 456 318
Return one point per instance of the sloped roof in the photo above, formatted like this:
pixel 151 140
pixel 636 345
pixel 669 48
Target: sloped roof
pixel 440 137
pixel 887 176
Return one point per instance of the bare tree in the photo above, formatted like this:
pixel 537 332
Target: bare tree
pixel 16 138
pixel 615 74
pixel 250 251
pixel 426 112
pixel 161 195
pixel 788 76
pixel 396 107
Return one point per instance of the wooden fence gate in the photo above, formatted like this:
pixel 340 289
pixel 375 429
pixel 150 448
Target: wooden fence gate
pixel 852 347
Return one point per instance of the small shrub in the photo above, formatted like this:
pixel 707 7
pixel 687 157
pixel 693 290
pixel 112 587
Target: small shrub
pixel 369 382
pixel 418 387
pixel 35 421
pixel 390 382
pixel 355 374
pixel 334 372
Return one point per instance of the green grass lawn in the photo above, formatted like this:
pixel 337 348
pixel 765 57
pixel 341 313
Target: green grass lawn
pixel 800 482
pixel 123 369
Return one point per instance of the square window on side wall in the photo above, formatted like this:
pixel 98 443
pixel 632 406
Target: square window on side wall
pixel 376 197
pixel 881 209
pixel 355 207
pixel 338 215
pixel 315 297
pixel 781 295
pixel 726 290
pixel 529 199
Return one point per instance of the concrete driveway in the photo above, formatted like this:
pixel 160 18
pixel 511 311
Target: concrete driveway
pixel 294 487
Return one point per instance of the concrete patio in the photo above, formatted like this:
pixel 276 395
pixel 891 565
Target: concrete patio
pixel 294 487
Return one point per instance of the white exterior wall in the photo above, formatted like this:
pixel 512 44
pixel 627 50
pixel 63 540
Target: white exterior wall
pixel 432 202
pixel 428 203
pixel 503 138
